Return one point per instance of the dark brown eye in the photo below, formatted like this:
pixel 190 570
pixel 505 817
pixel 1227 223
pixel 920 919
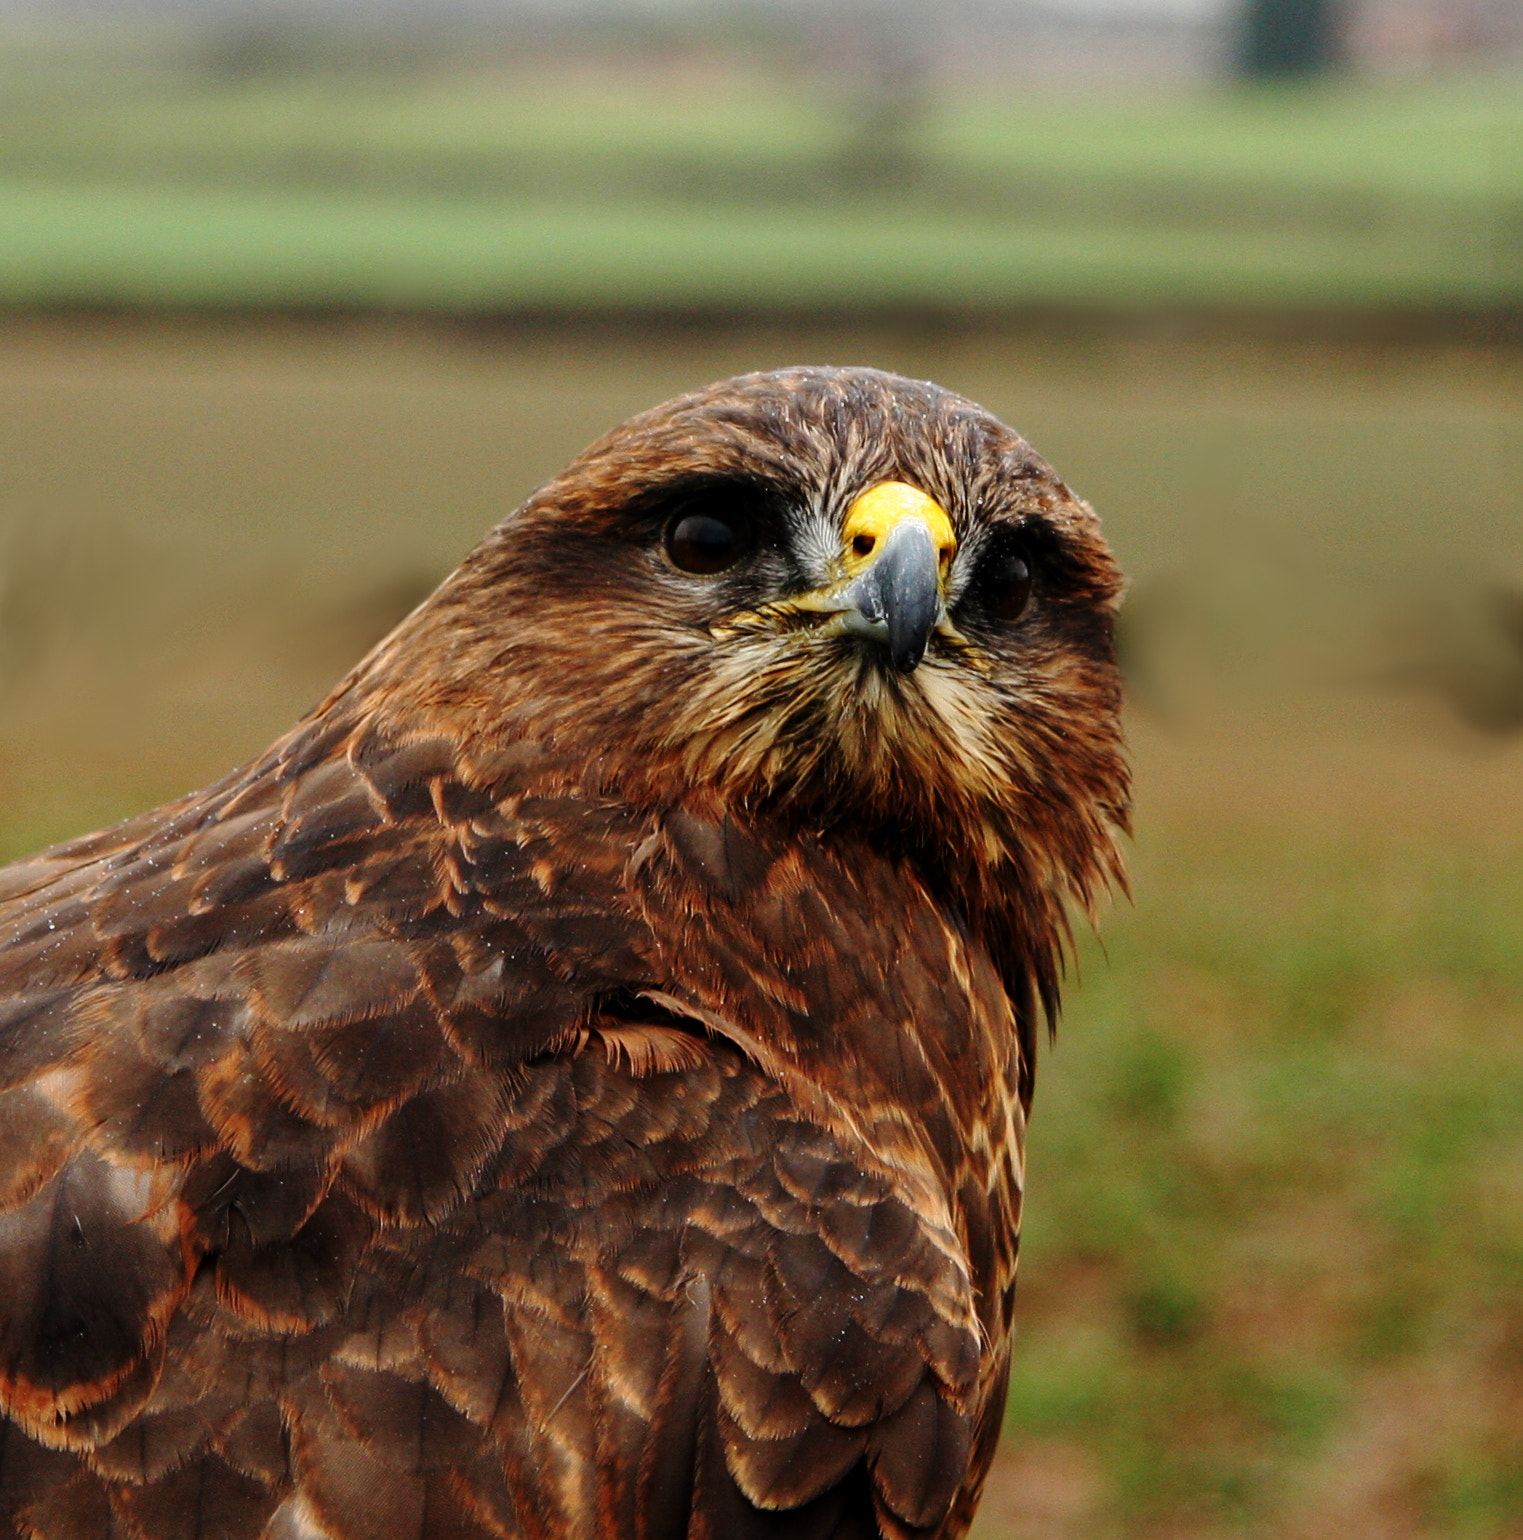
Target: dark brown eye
pixel 1005 586
pixel 710 542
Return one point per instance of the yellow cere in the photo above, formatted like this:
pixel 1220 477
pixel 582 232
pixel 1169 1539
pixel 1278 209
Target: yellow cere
pixel 879 509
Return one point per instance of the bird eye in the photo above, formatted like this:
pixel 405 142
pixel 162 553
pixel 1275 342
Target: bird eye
pixel 1005 586
pixel 709 542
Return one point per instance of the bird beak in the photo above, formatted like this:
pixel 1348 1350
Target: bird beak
pixel 898 547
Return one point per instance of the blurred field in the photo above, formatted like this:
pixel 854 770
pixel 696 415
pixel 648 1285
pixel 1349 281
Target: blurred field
pixel 1274 1282
pixel 255 172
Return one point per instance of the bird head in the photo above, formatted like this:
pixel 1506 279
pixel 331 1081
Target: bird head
pixel 829 594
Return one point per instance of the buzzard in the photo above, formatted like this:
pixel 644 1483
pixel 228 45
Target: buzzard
pixel 574 1083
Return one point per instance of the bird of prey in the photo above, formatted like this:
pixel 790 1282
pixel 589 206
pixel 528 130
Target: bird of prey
pixel 574 1083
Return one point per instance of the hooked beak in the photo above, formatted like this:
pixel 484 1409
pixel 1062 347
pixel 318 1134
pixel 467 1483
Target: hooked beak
pixel 897 600
pixel 901 544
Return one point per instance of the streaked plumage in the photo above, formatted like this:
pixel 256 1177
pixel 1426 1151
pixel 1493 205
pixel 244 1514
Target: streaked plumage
pixel 575 1083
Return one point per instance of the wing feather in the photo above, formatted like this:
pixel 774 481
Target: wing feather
pixel 335 1201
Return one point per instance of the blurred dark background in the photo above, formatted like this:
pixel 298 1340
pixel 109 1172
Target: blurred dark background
pixel 297 299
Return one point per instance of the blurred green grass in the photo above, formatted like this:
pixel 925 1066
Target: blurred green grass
pixel 170 246
pixel 135 178
pixel 1276 1229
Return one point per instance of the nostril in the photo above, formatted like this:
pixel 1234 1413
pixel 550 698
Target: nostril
pixel 864 544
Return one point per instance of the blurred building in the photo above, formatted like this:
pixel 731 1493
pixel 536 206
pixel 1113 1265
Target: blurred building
pixel 1008 40
pixel 1415 36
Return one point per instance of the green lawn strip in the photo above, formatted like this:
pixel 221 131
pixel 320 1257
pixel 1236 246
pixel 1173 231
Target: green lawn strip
pixel 1415 141
pixel 1439 141
pixel 431 120
pixel 471 190
pixel 115 243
